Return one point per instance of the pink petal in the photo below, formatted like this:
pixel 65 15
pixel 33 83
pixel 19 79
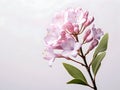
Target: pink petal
pixel 93 45
pixel 87 33
pixel 88 40
pixel 88 21
pixel 76 29
pixel 68 44
pixel 69 27
pixel 97 32
pixel 70 15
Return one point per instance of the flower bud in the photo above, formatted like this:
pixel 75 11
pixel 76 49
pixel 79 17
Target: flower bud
pixel 88 32
pixel 93 45
pixel 86 15
pixel 88 40
pixel 69 27
pixel 88 21
pixel 76 29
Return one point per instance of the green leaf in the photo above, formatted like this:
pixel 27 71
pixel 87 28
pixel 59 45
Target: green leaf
pixel 97 62
pixel 75 73
pixel 77 81
pixel 102 45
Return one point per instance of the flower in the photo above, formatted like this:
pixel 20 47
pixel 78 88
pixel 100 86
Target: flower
pixel 52 35
pixel 49 55
pixel 93 45
pixel 59 40
pixel 70 47
pixel 63 41
pixel 94 39
pixel 86 38
pixel 61 35
pixel 97 32
pixel 72 20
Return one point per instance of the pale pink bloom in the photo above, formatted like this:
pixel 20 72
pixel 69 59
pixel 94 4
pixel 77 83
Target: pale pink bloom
pixel 88 21
pixel 87 37
pixel 69 27
pixel 49 55
pixel 80 16
pixel 61 41
pixel 66 48
pixel 58 39
pixel 97 32
pixel 76 16
pixel 87 33
pixel 72 20
pixel 83 18
pixel 93 45
pixel 57 36
pixel 70 15
pixel 54 36
pixel 70 47
pixel 76 29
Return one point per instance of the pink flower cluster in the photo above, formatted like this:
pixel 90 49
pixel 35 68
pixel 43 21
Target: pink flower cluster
pixel 62 37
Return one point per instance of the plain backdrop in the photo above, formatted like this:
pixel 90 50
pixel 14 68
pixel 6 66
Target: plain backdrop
pixel 23 26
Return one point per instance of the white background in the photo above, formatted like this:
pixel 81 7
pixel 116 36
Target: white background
pixel 23 26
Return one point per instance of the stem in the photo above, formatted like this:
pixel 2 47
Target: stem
pixel 86 65
pixel 90 86
pixel 77 62
pixel 88 69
